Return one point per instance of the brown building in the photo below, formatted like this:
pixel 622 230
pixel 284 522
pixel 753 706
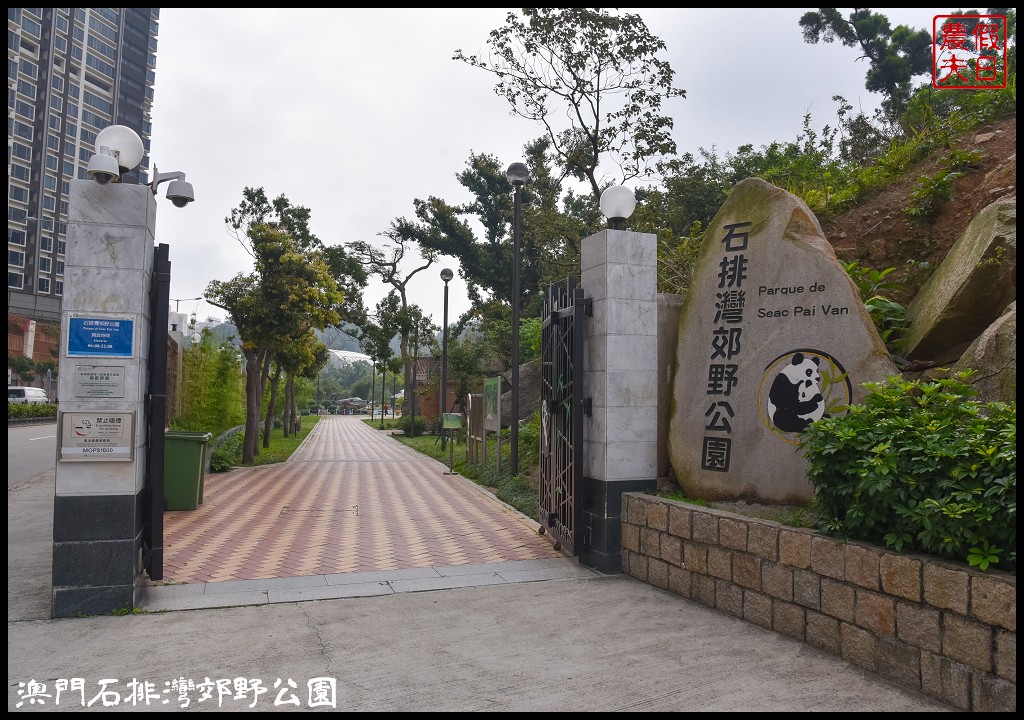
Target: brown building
pixel 428 379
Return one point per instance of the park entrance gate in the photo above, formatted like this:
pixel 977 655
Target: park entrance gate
pixel 156 416
pixel 562 408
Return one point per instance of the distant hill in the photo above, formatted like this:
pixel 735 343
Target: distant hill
pixel 341 338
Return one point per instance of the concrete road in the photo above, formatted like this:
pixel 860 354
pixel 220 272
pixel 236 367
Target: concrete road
pixel 31 450
pixel 598 644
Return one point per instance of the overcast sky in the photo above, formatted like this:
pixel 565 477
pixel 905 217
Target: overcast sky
pixel 354 113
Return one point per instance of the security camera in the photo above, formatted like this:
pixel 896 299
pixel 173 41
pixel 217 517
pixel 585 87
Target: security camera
pixel 103 167
pixel 180 193
pixel 103 178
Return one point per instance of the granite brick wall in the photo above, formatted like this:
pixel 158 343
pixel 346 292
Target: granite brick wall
pixel 940 627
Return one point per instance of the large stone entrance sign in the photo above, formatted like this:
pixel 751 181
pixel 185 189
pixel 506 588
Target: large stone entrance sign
pixel 772 336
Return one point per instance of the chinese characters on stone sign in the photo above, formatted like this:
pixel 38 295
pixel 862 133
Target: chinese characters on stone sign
pixel 725 348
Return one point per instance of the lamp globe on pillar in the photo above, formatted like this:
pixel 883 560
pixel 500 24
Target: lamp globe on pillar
pixel 446 275
pixel 617 204
pixel 517 174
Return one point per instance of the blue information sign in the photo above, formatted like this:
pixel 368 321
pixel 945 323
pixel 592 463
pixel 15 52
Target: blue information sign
pixel 100 337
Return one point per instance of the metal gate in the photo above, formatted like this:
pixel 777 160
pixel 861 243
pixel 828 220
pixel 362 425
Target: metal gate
pixel 562 408
pixel 156 416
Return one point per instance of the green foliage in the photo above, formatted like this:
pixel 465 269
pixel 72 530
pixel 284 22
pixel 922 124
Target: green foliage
pixel 930 193
pixel 21 412
pixel 212 387
pixel 228 453
pixel 599 68
pixel 305 389
pixel 890 317
pixel 121 612
pixel 516 490
pixel 529 444
pixel 282 447
pixel 681 497
pixel 413 426
pixel 23 367
pixel 677 259
pixel 895 55
pixel 529 339
pixel 465 356
pixel 920 466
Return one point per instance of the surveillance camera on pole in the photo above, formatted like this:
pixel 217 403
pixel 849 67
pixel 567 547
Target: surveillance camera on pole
pixel 120 150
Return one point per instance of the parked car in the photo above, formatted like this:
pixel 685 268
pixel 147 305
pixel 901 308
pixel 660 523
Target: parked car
pixel 17 395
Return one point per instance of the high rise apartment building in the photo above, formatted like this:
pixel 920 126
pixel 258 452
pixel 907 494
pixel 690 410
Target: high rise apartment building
pixel 70 73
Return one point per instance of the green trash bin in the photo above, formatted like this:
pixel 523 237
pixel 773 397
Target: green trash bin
pixel 184 468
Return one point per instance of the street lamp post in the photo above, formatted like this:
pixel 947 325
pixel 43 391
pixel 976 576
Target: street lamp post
pixel 517 174
pixel 446 275
pixel 411 425
pixel 383 389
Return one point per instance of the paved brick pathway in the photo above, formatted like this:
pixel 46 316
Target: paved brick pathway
pixel 351 499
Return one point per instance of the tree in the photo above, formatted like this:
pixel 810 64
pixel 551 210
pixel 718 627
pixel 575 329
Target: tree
pixel 302 359
pixel 302 355
pixel 896 55
pixel 600 71
pixel 550 238
pixel 424 337
pixel 23 367
pixel 289 292
pixel 390 265
pixel 348 272
pixel 212 391
pixel 465 354
pixel 377 338
pixel 395 366
pixel 351 277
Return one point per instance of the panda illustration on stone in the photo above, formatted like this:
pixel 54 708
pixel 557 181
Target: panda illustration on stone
pixel 795 400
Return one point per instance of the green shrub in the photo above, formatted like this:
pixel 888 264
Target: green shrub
pixel 227 453
pixel 413 426
pixel 930 193
pixel 31 411
pixel 890 317
pixel 529 443
pixel 920 466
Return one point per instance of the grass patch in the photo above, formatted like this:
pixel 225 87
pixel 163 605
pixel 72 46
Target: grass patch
pixel 389 423
pixel 515 490
pixel 679 496
pixel 128 611
pixel 281 448
pixel 789 515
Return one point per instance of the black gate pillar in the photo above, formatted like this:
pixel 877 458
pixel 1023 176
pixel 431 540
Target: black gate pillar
pixel 620 442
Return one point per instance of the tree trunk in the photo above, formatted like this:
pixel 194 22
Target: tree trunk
pixel 268 425
pixel 253 395
pixel 289 405
pixel 265 364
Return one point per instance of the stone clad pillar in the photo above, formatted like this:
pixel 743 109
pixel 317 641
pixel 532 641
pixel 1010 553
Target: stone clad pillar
pixel 619 276
pixel 101 456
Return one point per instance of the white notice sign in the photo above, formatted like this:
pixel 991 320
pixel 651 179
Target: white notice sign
pixel 96 436
pixel 98 381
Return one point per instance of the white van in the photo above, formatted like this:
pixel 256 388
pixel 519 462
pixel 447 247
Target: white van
pixel 26 396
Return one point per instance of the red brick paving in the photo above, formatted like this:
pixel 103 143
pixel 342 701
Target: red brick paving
pixel 350 499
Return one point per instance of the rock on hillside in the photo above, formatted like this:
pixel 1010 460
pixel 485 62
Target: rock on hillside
pixel 880 234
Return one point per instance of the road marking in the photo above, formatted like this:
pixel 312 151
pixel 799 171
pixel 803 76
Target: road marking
pixel 44 437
